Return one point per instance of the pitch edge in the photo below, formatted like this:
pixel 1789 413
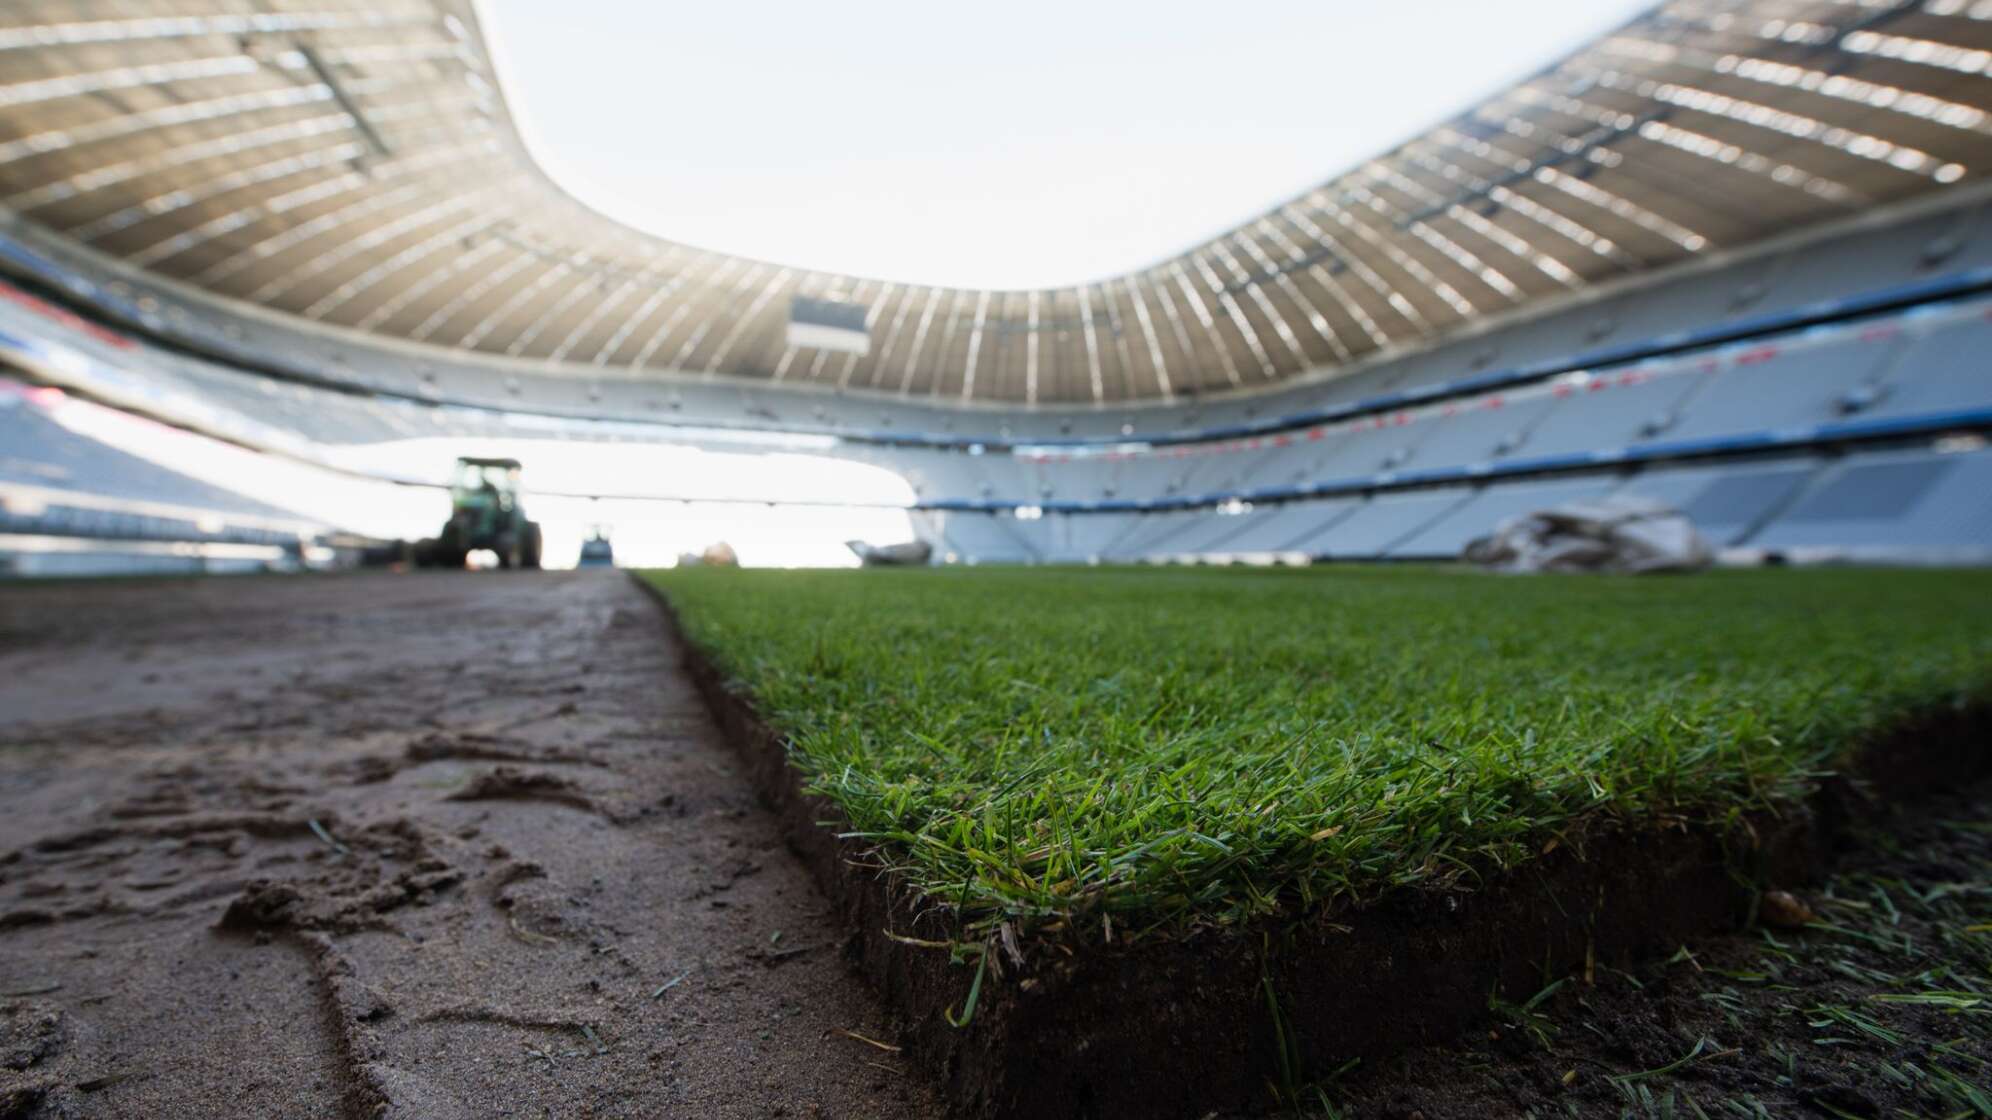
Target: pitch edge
pixel 1078 1024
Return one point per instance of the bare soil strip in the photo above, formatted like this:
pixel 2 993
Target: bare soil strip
pixel 1084 1024
pixel 414 846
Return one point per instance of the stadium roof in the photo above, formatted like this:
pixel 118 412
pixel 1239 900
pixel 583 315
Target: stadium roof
pixel 353 162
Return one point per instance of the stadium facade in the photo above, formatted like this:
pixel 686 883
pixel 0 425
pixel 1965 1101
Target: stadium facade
pixel 1734 255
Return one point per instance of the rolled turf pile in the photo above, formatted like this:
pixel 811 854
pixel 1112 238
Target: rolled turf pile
pixel 1165 750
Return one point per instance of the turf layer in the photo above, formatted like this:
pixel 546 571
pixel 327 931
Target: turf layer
pixel 1177 747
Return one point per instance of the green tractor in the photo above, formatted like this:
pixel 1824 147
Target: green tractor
pixel 485 513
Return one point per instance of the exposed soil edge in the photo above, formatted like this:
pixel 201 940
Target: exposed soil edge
pixel 1180 1028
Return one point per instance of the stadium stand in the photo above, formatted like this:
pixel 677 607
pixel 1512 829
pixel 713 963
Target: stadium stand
pixel 1519 306
pixel 1728 502
pixel 1933 504
pixel 1479 514
pixel 59 486
pixel 978 538
pixel 1781 386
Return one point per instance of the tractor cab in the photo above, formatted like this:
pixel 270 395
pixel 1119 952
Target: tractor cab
pixel 485 490
pixel 487 512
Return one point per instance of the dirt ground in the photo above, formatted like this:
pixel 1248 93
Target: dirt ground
pixel 428 846
pixel 447 846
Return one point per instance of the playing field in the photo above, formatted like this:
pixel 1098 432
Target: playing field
pixel 1175 746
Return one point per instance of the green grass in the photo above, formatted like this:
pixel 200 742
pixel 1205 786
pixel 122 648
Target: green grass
pixel 1155 748
pixel 1887 993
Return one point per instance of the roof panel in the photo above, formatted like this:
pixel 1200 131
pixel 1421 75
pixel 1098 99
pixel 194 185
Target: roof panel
pixel 354 163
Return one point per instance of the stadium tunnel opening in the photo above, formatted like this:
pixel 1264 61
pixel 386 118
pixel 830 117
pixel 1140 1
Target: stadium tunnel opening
pixel 656 502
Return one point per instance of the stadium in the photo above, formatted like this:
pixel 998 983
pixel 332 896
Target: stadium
pixel 1503 631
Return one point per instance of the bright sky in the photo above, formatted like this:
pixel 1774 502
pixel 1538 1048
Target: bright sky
pixel 1029 144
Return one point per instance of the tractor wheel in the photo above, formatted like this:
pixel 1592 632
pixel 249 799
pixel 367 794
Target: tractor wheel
pixel 448 551
pixel 529 548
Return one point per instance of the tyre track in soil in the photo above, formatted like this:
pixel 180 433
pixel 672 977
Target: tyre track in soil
pixel 421 845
